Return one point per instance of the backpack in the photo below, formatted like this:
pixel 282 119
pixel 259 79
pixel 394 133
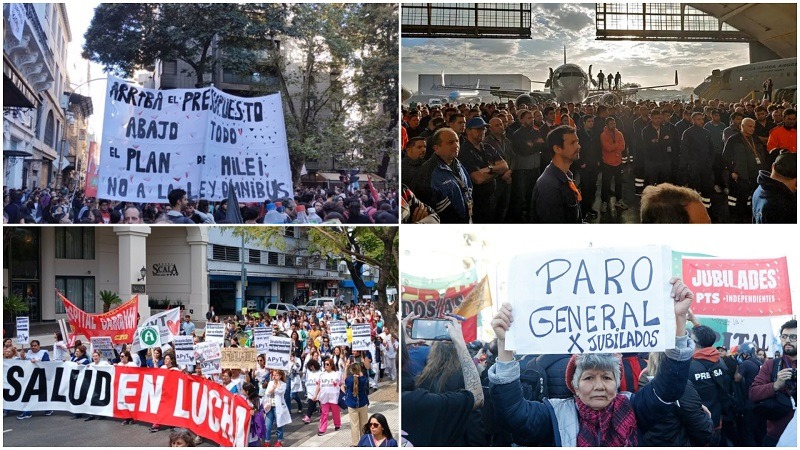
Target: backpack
pixel 732 398
pixel 533 379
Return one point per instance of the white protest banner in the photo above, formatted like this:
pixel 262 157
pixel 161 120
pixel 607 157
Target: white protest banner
pixel 338 333
pixel 168 324
pixel 184 350
pixel 23 330
pixel 205 351
pixel 103 345
pixel 278 352
pixel 261 337
pixel 195 139
pixel 361 337
pixel 148 337
pixel 596 300
pixel 167 397
pixel 733 331
pixel 215 332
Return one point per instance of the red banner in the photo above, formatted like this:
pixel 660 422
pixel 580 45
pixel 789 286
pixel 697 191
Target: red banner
pixel 169 397
pixel 427 304
pixel 92 171
pixel 119 324
pixel 739 287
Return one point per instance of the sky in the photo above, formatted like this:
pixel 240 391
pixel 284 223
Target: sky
pixel 573 25
pixel 80 15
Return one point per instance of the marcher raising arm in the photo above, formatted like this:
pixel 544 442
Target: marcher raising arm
pixel 472 379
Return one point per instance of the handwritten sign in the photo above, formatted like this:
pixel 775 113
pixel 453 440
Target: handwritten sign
pixel 103 345
pixel 239 358
pixel 205 351
pixel 338 333
pixel 215 332
pixel 361 337
pixel 184 350
pixel 195 139
pixel 739 287
pixel 278 352
pixel 261 337
pixel 591 301
pixel 23 330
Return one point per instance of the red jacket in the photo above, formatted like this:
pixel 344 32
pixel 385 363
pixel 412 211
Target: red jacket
pixel 613 144
pixel 761 389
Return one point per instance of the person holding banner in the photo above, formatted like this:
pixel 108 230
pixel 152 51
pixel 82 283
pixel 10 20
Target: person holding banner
pixel 597 415
pixel 275 406
pixel 60 350
pixel 356 397
pixel 97 361
pixel 156 359
pixel 328 387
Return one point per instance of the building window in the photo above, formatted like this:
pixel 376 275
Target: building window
pixel 74 243
pixel 49 130
pixel 330 264
pixel 170 68
pixel 225 253
pixel 272 258
pixel 255 256
pixel 78 290
pixel 288 261
pixel 289 232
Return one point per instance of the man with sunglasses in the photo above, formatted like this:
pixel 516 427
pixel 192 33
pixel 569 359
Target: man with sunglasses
pixel 771 383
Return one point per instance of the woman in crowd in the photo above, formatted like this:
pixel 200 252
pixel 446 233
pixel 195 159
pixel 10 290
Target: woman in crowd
pixel 296 382
pixel 597 415
pixel 169 364
pixel 687 424
pixel 297 346
pixel 156 358
pixel 377 433
pixel 80 355
pixel 328 387
pixel 231 385
pixel 339 360
pixel 313 373
pixel 261 375
pixel 97 361
pixel 60 350
pixel 181 437
pixel 356 390
pixel 277 413
pixel 126 360
pixel 312 354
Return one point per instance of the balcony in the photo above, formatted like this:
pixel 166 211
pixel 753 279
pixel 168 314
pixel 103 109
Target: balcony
pixel 25 43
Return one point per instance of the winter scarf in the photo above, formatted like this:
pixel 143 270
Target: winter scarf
pixel 614 426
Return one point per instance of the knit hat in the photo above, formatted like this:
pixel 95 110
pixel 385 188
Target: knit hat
pixel 572 366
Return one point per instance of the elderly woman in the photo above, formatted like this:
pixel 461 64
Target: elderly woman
pixel 597 416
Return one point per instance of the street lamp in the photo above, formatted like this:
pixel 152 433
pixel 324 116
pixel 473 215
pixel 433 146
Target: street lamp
pixel 143 273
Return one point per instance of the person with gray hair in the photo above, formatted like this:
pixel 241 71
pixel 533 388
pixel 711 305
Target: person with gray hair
pixel 597 415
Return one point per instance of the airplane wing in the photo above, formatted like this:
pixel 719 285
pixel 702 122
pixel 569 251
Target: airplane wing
pixel 631 91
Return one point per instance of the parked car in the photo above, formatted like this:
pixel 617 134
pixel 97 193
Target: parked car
pixel 275 309
pixel 319 302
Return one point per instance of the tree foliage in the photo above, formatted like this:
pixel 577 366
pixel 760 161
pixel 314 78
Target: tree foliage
pixel 339 84
pixel 376 246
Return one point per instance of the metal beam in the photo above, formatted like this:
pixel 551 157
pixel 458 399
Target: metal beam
pixel 736 12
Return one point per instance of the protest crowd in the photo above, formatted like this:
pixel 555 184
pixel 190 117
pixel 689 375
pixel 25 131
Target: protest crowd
pixel 345 204
pixel 543 162
pixel 695 394
pixel 318 379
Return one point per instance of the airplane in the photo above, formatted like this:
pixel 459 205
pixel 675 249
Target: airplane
pixel 570 83
pixel 735 83
pixel 459 95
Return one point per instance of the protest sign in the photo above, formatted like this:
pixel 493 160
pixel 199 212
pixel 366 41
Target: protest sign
pixel 196 139
pixel 103 345
pixel 739 287
pixel 593 300
pixel 211 367
pixel 261 337
pixel 148 337
pixel 338 333
pixel 239 358
pixel 119 323
pixel 208 350
pixel 361 336
pixel 278 352
pixel 215 332
pixel 23 330
pixel 168 324
pixel 733 331
pixel 184 350
pixel 167 397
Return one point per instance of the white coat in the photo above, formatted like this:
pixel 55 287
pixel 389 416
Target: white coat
pixel 282 415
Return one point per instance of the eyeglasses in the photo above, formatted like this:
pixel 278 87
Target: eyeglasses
pixel 374 425
pixel 790 337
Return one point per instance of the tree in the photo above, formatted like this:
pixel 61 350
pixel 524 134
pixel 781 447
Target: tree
pixel 109 298
pixel 376 246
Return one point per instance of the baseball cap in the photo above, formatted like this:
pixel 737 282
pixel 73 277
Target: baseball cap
pixel 476 122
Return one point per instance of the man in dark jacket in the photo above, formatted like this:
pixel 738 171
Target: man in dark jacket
pixel 589 164
pixel 695 159
pixel 744 156
pixel 709 376
pixel 15 210
pixel 775 198
pixel 752 426
pixel 556 199
pixel 657 150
